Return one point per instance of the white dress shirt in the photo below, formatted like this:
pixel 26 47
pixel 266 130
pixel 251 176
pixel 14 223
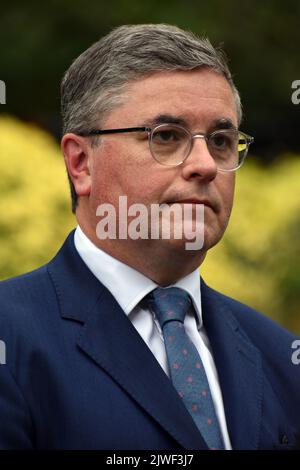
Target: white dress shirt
pixel 129 287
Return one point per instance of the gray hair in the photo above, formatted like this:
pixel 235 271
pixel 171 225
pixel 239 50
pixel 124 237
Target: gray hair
pixel 96 81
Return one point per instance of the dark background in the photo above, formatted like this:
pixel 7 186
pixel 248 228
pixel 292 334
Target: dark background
pixel 40 39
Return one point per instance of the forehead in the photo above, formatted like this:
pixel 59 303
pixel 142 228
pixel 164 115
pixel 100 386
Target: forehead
pixel 197 97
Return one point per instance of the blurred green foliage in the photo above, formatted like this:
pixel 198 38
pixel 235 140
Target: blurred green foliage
pixel 257 262
pixel 34 203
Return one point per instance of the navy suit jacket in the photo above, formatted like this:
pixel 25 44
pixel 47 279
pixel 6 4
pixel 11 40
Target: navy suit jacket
pixel 79 376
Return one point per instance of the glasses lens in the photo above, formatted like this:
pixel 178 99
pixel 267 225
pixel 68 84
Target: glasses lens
pixel 228 148
pixel 170 144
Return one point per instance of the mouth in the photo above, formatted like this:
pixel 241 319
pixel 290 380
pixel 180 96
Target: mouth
pixel 205 202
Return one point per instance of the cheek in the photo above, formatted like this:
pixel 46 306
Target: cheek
pixel 145 187
pixel 226 193
pixel 118 170
pixel 107 174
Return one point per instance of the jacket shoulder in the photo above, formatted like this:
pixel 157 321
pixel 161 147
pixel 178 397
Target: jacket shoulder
pixel 25 288
pixel 274 342
pixel 28 303
pixel 248 317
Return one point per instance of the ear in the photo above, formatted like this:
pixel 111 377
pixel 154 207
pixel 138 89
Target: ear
pixel 77 154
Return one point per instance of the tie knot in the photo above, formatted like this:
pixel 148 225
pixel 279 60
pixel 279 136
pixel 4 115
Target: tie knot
pixel 169 304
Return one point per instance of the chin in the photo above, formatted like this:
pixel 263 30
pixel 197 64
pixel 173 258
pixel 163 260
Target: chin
pixel 181 248
pixel 211 238
pixel 196 241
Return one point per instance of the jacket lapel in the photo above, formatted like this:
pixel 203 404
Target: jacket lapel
pixel 239 368
pixel 111 341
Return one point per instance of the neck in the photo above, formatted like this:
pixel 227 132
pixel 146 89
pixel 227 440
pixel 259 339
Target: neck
pixel 162 261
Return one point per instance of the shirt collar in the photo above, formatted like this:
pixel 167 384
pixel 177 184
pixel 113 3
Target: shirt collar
pixel 126 284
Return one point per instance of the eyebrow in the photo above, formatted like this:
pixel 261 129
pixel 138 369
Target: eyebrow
pixel 165 119
pixel 221 123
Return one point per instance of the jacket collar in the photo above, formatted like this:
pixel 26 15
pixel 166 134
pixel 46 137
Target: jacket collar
pixel 77 289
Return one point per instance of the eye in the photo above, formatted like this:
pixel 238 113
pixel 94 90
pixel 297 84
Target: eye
pixel 168 135
pixel 224 140
pixel 219 141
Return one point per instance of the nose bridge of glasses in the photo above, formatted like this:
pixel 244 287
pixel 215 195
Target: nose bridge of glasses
pixel 202 136
pixel 199 135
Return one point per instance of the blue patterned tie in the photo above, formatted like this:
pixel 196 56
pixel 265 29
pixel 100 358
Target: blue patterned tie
pixel 186 369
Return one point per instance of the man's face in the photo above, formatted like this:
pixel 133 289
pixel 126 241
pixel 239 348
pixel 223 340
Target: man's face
pixel 122 164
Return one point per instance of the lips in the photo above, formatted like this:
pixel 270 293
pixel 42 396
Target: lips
pixel 205 202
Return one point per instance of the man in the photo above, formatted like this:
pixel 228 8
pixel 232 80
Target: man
pixel 150 113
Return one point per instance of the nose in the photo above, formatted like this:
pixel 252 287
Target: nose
pixel 199 163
